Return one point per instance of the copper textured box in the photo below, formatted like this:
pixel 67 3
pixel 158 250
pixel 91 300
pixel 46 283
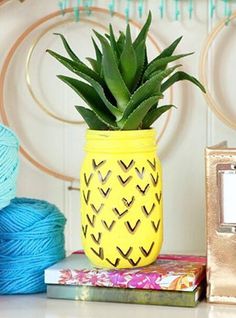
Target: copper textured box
pixel 221 224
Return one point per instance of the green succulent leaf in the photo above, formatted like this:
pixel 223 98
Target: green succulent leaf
pixel 68 49
pixel 91 118
pixel 170 49
pixel 134 120
pixel 112 74
pixel 140 51
pixel 92 99
pixel 160 64
pixel 112 40
pixel 165 73
pixel 128 61
pixel 100 90
pixel 144 31
pixel 180 76
pixel 94 64
pixel 98 56
pixel 154 114
pixel 121 43
pixel 149 88
pixel 76 67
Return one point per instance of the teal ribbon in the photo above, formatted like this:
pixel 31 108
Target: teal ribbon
pixel 177 11
pixel 212 8
pixel 111 7
pixel 127 10
pixel 227 11
pixel 162 8
pixel 87 6
pixel 76 10
pixel 62 6
pixel 140 8
pixel 190 9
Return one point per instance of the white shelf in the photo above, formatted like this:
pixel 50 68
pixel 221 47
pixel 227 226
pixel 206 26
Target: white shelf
pixel 38 306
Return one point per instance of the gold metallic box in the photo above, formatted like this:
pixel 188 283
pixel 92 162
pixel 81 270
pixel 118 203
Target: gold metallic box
pixel 221 224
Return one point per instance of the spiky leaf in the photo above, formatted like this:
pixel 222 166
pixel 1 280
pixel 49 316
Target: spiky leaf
pixel 92 99
pixel 112 40
pixel 91 118
pixel 121 43
pixel 100 90
pixel 144 31
pixel 68 48
pixel 94 64
pixel 128 61
pixel 112 74
pixel 98 56
pixel 180 76
pixel 170 49
pixel 149 88
pixel 154 114
pixel 160 64
pixel 76 67
pixel 140 51
pixel 134 120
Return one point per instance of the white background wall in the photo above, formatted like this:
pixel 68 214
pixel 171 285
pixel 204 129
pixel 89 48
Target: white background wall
pixel 60 146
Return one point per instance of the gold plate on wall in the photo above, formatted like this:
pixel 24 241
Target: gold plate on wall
pixel 211 101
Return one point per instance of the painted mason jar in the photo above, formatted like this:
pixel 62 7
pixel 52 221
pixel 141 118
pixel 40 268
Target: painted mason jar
pixel 121 198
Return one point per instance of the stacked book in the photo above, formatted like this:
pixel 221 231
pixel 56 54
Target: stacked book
pixel 173 280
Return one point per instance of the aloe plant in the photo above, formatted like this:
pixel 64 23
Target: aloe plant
pixel 121 88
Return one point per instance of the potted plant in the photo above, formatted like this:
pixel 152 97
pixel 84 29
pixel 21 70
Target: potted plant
pixel 121 187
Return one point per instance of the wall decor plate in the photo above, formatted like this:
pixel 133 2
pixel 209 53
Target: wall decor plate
pixel 215 105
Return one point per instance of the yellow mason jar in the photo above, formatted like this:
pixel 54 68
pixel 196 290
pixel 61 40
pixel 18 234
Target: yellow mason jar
pixel 121 198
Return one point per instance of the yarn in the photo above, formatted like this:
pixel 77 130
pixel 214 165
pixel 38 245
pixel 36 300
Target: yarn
pixel 31 239
pixel 9 165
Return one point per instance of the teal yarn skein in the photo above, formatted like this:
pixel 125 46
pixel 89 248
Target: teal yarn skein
pixel 31 239
pixel 9 165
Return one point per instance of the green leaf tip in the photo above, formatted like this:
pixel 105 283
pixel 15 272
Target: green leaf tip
pixel 91 118
pixel 68 49
pixel 144 31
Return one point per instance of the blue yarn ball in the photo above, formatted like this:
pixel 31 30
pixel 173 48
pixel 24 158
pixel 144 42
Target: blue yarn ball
pixel 9 165
pixel 31 239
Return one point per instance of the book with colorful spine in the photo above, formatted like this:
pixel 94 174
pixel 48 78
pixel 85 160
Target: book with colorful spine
pixel 176 280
